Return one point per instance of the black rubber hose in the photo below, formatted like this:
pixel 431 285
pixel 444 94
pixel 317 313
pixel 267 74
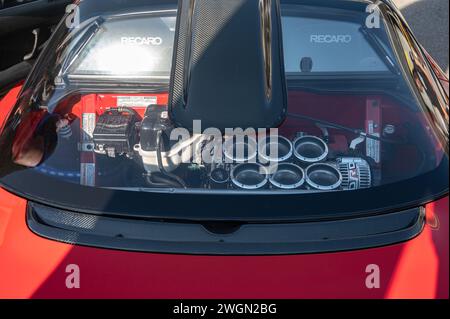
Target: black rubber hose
pixel 155 180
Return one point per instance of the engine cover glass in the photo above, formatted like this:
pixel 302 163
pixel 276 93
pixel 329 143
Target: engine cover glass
pixel 143 45
pixel 365 117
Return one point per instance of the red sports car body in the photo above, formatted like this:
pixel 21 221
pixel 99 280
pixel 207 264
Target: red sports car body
pixel 81 219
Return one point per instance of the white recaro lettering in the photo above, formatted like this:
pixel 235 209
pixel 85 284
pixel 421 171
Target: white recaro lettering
pixel 141 40
pixel 330 38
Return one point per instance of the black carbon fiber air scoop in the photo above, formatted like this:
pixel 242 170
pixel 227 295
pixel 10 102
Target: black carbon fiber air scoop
pixel 228 68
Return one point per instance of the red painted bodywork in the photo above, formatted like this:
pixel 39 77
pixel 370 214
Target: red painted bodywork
pixel 34 267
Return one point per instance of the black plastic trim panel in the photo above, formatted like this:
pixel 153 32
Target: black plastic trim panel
pixel 202 238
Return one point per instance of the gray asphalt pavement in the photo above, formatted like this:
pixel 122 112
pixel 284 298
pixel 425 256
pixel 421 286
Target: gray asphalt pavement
pixel 429 20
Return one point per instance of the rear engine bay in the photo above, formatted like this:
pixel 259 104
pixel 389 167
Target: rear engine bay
pixel 124 141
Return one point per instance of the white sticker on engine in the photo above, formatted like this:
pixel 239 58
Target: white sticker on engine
pixel 87 177
pixel 88 126
pixel 373 147
pixel 164 115
pixel 130 101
